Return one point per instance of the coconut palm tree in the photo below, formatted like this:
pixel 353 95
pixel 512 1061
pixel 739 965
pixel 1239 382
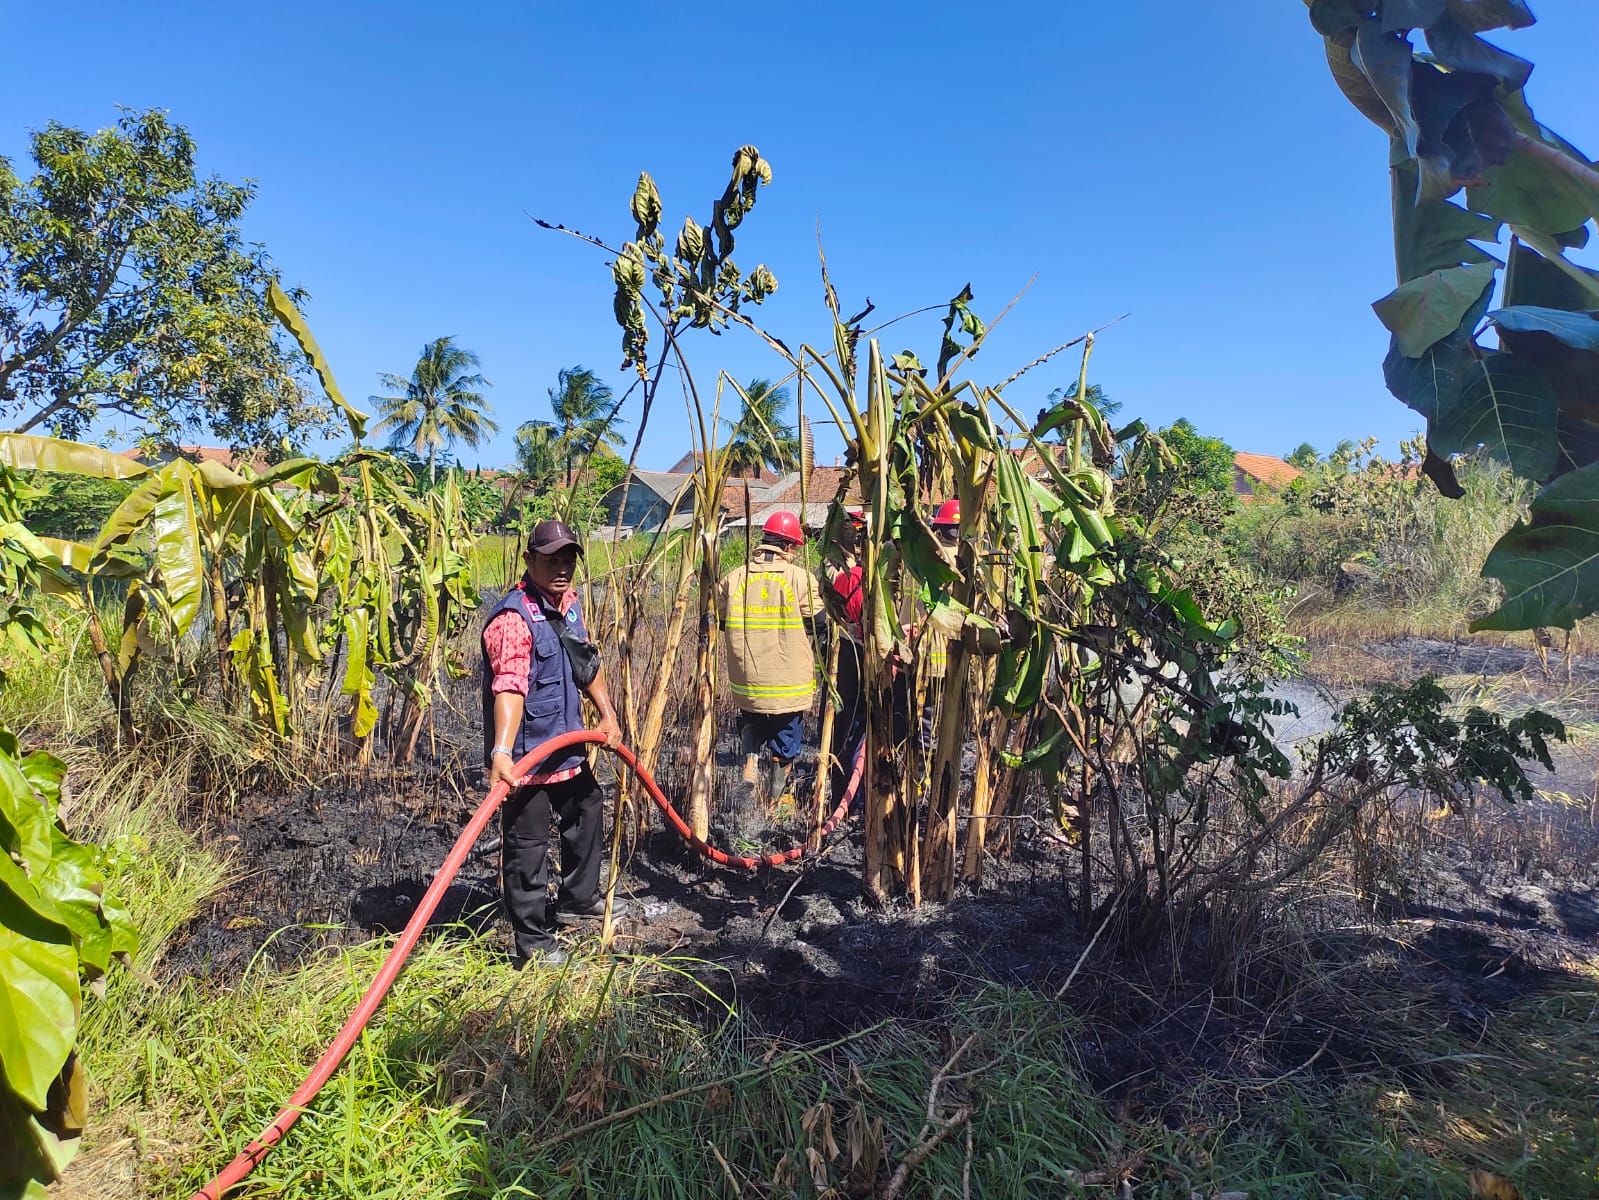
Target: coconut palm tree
pixel 760 436
pixel 1096 396
pixel 440 404
pixel 585 413
pixel 538 453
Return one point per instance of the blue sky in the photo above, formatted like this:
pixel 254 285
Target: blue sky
pixel 1190 164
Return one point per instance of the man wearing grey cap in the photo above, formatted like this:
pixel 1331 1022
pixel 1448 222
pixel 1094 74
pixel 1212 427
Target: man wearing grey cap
pixel 538 663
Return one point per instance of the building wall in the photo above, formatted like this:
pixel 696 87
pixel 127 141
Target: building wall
pixel 644 507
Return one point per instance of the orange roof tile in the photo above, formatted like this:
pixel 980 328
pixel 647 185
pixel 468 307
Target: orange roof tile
pixel 1265 468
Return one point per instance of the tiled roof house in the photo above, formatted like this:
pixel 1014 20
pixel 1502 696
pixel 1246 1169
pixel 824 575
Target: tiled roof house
pixel 1261 473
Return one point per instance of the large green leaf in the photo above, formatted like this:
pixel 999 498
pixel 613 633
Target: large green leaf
pixel 1549 564
pixel 38 989
pixel 73 882
pixel 1562 346
pixel 126 526
pixel 1579 442
pixel 1432 380
pixel 28 452
pixel 66 558
pixel 26 827
pixel 308 473
pixel 176 528
pixel 1579 330
pixel 283 308
pixel 1478 16
pixel 218 478
pixel 252 658
pixel 1384 59
pixel 1459 49
pixel 1431 237
pixel 1506 406
pixel 1527 191
pixel 1427 310
pixel 359 678
pixel 1532 279
pixel 1399 16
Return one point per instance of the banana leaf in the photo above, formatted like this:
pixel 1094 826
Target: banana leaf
pixel 29 452
pixel 283 308
pixel 175 525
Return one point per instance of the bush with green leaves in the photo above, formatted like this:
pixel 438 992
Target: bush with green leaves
pixel 1366 528
pixel 74 507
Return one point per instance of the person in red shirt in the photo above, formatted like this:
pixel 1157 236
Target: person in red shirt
pixel 538 664
pixel 845 598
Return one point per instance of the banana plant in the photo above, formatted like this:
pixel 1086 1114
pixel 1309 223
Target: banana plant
pixel 59 930
pixel 1052 589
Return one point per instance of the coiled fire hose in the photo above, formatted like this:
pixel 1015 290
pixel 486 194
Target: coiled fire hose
pixel 235 1172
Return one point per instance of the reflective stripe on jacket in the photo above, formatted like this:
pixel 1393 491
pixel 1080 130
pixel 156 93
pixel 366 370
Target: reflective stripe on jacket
pixel 763 606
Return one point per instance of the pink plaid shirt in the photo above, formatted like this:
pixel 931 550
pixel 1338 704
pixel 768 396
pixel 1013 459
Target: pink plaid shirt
pixel 509 644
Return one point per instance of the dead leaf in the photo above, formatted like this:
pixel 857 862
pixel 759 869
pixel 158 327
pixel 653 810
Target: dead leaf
pixel 239 923
pixel 818 1166
pixel 1485 1185
pixel 865 1140
pixel 588 1093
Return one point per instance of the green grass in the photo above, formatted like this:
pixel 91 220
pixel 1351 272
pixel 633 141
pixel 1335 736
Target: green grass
pixel 475 1079
pixel 475 1074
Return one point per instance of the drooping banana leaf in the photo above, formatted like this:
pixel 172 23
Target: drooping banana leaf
pixel 29 452
pixel 283 308
pixel 175 527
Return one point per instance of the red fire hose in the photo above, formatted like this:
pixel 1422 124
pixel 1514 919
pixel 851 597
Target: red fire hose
pixel 235 1172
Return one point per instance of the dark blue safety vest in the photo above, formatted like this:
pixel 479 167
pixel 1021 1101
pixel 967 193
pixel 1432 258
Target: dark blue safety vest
pixel 553 704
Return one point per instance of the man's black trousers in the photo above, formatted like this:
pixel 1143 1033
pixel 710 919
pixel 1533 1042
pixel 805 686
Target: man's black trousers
pixel 579 806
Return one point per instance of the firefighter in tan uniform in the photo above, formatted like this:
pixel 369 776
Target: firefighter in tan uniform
pixel 767 608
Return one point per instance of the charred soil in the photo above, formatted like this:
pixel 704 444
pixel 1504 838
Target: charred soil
pixel 1476 920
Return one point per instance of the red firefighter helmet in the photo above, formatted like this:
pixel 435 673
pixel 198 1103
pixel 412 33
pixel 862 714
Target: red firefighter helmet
pixel 784 525
pixel 856 516
pixel 947 514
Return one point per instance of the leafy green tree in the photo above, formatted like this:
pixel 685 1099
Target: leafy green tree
pixel 481 501
pixel 538 454
pixel 761 437
pixel 1207 461
pixel 585 414
pixel 602 472
pixel 1304 457
pixel 74 507
pixel 439 405
pixel 127 291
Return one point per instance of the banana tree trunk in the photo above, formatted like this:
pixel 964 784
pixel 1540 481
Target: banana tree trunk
pixel 824 761
pixel 649 741
pixel 938 848
pixel 221 630
pixel 702 780
pixel 108 666
pixel 991 789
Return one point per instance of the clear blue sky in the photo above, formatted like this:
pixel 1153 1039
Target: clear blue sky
pixel 1192 164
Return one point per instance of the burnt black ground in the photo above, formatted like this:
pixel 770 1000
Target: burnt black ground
pixel 349 860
